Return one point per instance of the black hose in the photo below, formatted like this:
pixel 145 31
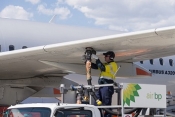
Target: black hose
pixel 138 112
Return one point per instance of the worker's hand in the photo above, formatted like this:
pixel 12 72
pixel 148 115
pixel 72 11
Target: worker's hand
pixel 94 56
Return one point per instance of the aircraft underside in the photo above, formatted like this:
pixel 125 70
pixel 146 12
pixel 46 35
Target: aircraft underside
pixel 15 91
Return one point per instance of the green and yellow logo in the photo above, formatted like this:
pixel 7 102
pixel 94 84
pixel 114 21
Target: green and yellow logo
pixel 129 93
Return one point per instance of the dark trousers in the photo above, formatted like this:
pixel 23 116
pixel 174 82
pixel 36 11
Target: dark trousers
pixel 105 95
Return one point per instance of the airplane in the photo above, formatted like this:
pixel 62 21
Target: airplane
pixel 37 55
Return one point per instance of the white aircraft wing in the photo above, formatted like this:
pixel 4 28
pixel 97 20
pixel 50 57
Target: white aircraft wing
pixel 64 58
pixel 129 47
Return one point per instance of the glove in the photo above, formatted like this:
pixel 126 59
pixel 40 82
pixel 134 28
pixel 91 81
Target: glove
pixel 94 56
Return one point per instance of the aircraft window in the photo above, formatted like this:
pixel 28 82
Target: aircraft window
pixel 161 61
pixel 151 61
pixel 141 62
pixel 23 47
pixel 11 47
pixel 171 62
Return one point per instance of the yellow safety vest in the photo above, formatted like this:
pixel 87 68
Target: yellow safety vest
pixel 110 71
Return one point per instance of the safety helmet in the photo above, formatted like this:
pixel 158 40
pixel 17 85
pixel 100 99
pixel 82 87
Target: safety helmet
pixel 111 54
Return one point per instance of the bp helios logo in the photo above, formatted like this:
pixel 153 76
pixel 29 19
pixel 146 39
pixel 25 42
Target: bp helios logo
pixel 129 93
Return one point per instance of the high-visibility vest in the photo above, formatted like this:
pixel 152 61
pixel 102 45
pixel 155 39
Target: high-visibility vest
pixel 110 71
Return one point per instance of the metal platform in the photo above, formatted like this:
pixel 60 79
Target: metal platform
pixel 132 95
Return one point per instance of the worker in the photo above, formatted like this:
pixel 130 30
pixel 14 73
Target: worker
pixel 107 76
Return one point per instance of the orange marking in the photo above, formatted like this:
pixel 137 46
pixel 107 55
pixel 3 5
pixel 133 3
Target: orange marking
pixel 131 52
pixel 56 91
pixel 142 72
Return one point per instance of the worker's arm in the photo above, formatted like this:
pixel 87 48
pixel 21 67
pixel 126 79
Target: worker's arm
pixel 98 64
pixel 94 66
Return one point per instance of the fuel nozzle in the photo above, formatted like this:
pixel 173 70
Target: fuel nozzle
pixel 89 51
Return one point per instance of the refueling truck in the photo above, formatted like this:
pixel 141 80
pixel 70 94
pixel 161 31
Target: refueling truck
pixel 134 100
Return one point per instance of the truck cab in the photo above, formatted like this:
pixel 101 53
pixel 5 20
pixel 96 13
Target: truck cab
pixel 52 110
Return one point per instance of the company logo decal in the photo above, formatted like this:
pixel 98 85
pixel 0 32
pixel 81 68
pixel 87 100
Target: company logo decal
pixel 165 72
pixel 129 93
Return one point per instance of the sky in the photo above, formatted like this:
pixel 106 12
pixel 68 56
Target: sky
pixel 119 15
